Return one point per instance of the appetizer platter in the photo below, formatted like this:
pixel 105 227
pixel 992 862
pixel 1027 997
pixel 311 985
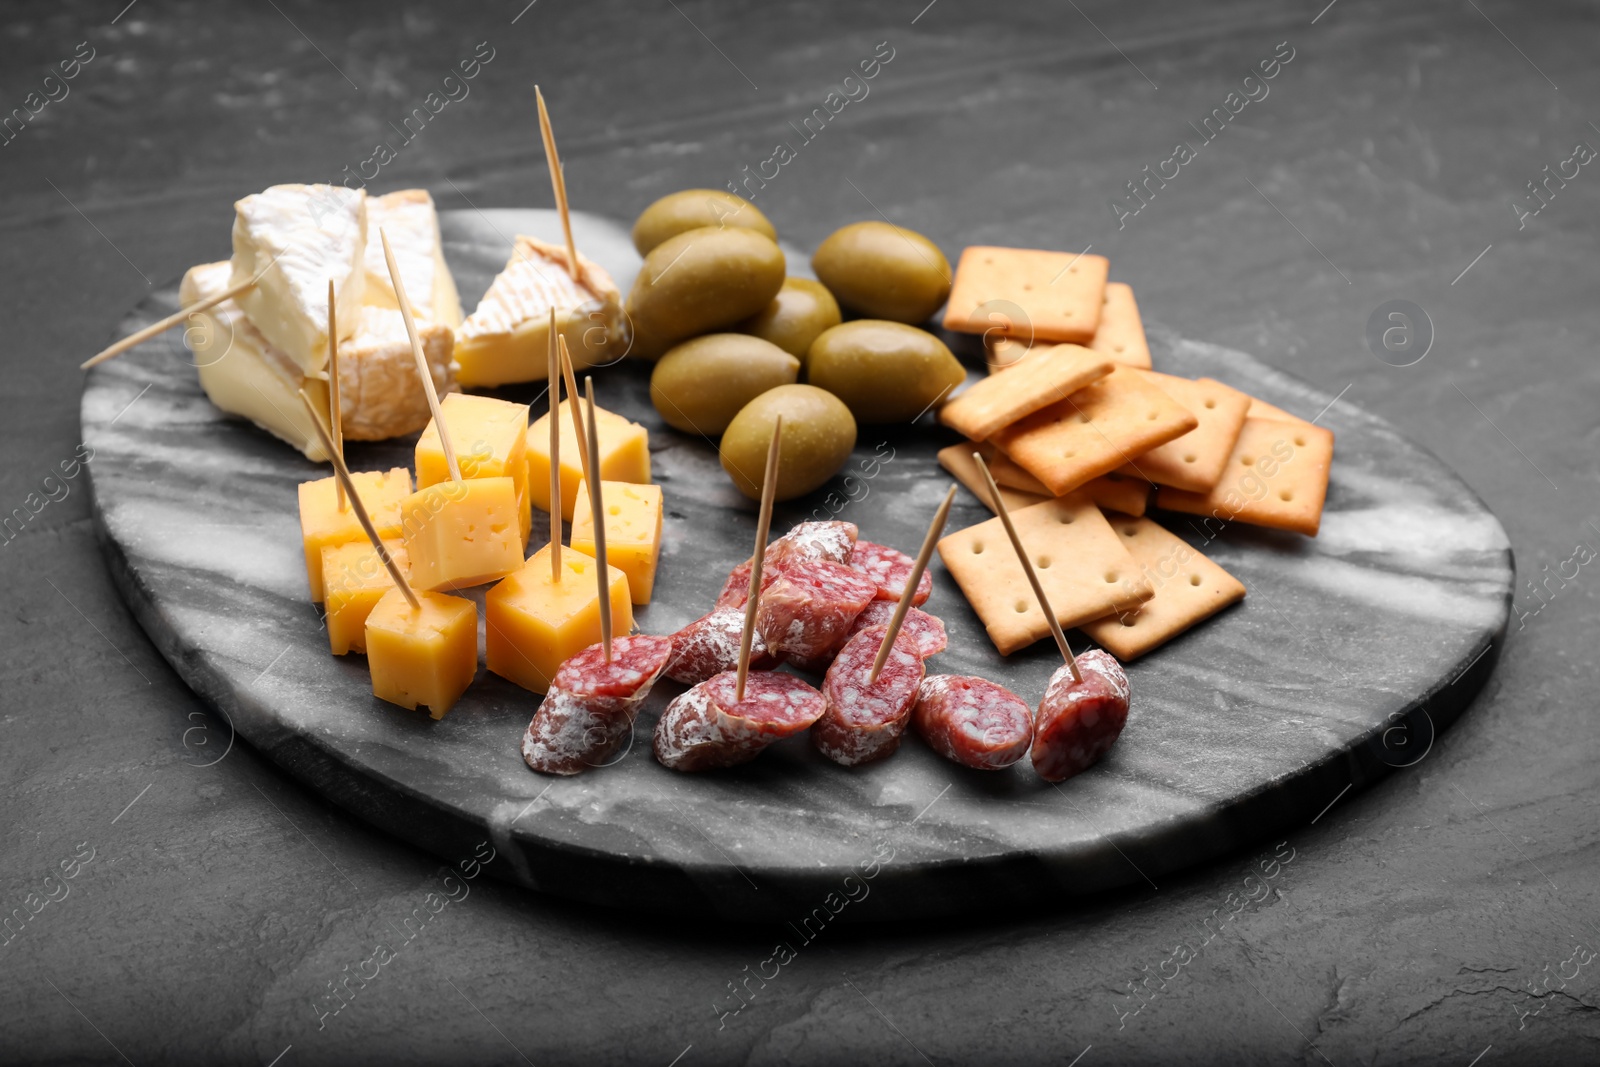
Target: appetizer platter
pixel 692 580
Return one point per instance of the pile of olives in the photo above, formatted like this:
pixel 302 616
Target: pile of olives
pixel 733 337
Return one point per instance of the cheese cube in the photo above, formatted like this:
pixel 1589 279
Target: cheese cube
pixel 461 533
pixel 323 524
pixel 633 531
pixel 533 625
pixel 624 456
pixel 489 437
pixel 427 656
pixel 353 580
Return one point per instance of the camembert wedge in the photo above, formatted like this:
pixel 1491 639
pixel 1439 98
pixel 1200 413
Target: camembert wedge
pixel 408 217
pixel 292 239
pixel 506 338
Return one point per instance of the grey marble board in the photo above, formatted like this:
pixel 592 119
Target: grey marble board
pixel 1349 652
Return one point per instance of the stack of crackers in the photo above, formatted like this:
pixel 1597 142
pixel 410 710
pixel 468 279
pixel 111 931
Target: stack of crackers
pixel 1078 429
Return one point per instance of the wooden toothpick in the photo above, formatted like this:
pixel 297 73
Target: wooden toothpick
pixel 577 413
pixel 555 457
pixel 342 473
pixel 769 489
pixel 935 528
pixel 165 324
pixel 335 409
pixel 597 509
pixel 558 184
pixel 422 360
pixel 1027 568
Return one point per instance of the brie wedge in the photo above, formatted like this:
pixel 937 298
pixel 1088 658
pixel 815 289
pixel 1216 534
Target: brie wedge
pixel 505 339
pixel 293 239
pixel 244 374
pixel 412 225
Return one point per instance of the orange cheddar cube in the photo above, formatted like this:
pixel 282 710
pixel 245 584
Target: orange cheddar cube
pixel 354 579
pixel 422 657
pixel 323 524
pixel 624 456
pixel 463 533
pixel 532 625
pixel 489 438
pixel 633 531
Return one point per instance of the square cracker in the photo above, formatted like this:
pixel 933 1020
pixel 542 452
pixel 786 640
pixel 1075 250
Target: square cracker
pixel 1046 374
pixel 1084 569
pixel 1260 409
pixel 1121 332
pixel 1025 292
pixel 1189 589
pixel 1117 493
pixel 1277 477
pixel 1010 475
pixel 1196 460
pixel 1095 430
pixel 957 459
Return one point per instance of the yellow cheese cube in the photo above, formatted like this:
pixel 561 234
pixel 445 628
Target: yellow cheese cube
pixel 489 438
pixel 323 524
pixel 624 456
pixel 633 531
pixel 533 625
pixel 462 533
pixel 426 656
pixel 353 580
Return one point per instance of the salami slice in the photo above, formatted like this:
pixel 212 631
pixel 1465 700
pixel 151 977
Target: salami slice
pixel 926 630
pixel 1078 722
pixel 972 721
pixel 710 645
pixel 809 607
pixel 706 727
pixel 865 722
pixel 890 568
pixel 809 542
pixel 589 711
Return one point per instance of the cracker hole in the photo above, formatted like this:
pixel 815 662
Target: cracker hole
pixel 1068 454
pixel 1131 532
pixel 1072 270
pixel 1067 314
pixel 1301 441
pixel 1211 403
pixel 988 259
pixel 1153 416
pixel 1122 348
pixel 1066 520
pixel 1189 457
pixel 1111 577
pixel 977 548
pixel 1022 607
pixel 1027 287
pixel 1285 495
pixel 1248 461
pixel 1194 579
pixel 1043 563
pixel 1083 418
pixel 1129 620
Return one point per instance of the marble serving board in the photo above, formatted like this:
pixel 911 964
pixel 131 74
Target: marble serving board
pixel 1349 651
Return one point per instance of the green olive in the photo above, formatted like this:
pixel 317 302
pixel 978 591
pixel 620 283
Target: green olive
pixel 883 371
pixel 700 281
pixel 691 209
pixel 801 310
pixel 884 272
pixel 818 434
pixel 700 385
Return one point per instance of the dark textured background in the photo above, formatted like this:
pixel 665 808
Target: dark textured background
pixel 1413 916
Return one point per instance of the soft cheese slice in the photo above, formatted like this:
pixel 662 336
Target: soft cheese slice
pixel 242 372
pixel 412 225
pixel 505 339
pixel 296 238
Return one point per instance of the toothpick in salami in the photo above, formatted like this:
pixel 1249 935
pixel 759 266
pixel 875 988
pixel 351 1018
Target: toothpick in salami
pixel 593 700
pixel 1085 705
pixel 769 489
pixel 912 583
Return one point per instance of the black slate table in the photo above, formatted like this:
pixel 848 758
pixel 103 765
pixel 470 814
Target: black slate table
pixel 1447 915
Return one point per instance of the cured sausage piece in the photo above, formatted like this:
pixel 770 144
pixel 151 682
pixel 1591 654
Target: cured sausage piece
pixel 865 722
pixel 1078 722
pixel 591 705
pixel 809 607
pixel 972 721
pixel 809 542
pixel 706 727
pixel 710 645
pixel 926 630
pixel 890 568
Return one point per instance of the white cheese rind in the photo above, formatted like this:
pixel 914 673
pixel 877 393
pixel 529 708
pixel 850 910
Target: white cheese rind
pixel 412 225
pixel 293 239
